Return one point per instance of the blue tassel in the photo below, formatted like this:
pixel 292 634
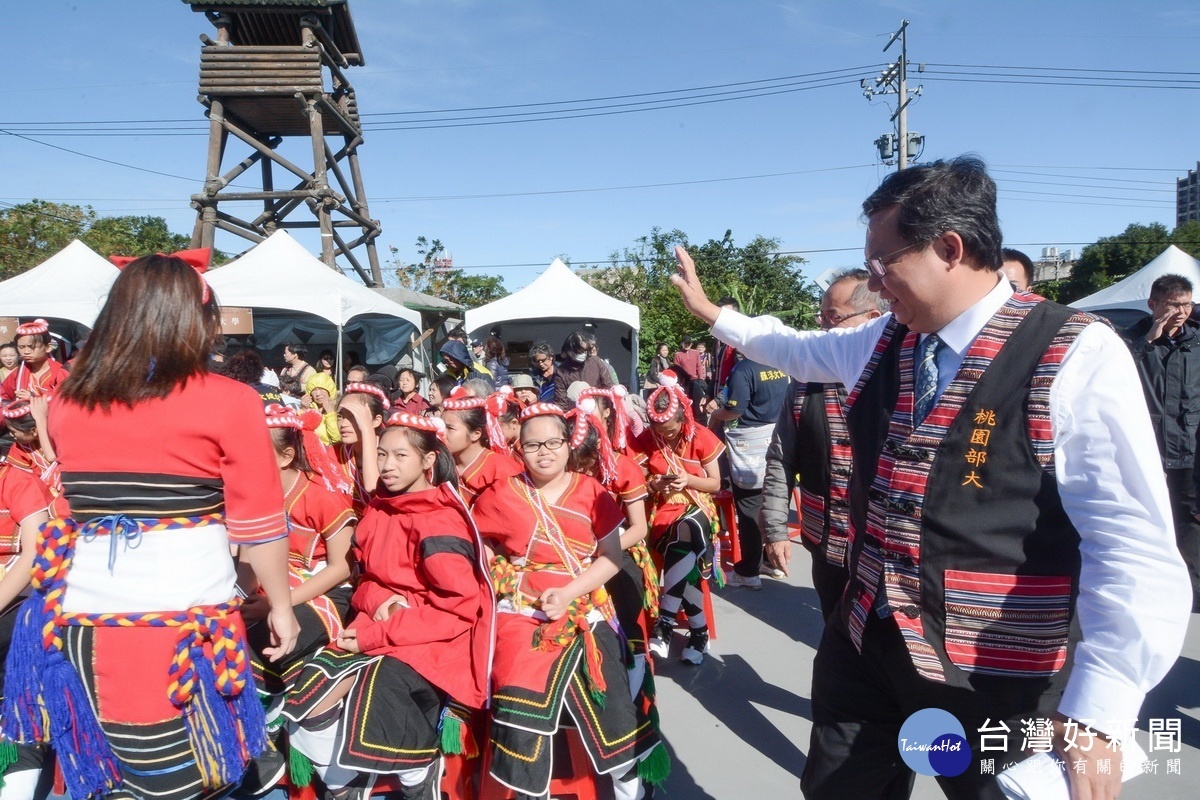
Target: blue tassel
pixel 21 715
pixel 41 687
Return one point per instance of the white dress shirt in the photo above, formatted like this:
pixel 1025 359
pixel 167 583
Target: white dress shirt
pixel 1134 593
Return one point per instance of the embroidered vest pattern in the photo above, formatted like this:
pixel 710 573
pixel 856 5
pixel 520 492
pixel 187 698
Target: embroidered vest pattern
pixel 891 548
pixel 825 520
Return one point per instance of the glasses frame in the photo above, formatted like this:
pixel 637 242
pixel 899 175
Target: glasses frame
pixel 838 319
pixel 878 267
pixel 531 448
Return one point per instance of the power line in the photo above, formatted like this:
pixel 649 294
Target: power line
pixel 98 158
pixel 1063 69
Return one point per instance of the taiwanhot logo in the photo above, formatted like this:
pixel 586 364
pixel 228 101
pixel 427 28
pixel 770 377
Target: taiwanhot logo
pixel 933 742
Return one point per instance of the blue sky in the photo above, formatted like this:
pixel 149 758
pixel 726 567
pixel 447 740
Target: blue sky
pixel 515 186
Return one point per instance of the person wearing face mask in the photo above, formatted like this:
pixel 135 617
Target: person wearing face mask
pixel 576 364
pixel 810 422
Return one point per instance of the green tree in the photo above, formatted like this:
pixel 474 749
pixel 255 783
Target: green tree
pixel 32 232
pixel 434 275
pixel 763 282
pixel 1112 258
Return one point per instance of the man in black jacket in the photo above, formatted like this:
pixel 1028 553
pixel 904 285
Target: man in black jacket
pixel 1166 349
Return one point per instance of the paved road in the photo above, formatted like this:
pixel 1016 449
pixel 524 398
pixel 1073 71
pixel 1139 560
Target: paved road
pixel 738 726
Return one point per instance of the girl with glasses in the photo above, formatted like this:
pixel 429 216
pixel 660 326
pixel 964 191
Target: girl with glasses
pixel 555 535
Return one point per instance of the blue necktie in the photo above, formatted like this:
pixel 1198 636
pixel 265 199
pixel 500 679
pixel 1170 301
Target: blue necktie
pixel 926 379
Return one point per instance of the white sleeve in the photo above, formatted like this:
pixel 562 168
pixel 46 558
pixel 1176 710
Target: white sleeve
pixel 1134 592
pixel 835 356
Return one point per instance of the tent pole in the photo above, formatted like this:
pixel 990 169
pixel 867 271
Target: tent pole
pixel 340 372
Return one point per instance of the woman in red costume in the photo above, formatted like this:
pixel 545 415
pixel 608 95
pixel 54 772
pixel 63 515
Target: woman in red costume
pixel 418 645
pixel 38 373
pixel 556 541
pixel 476 440
pixel 142 565
pixel 320 528
pixel 597 438
pixel 361 411
pixel 680 458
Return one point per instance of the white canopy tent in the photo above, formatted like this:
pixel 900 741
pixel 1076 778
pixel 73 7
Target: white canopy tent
pixel 1129 295
pixel 71 285
pixel 555 304
pixel 296 297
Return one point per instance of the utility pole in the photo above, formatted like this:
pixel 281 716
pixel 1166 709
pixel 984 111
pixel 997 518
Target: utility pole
pixel 899 147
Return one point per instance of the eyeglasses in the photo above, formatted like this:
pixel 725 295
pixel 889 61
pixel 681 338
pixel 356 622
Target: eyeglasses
pixel 552 445
pixel 542 361
pixel 1188 306
pixel 878 267
pixel 837 319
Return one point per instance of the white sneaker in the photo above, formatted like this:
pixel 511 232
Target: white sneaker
pixel 753 582
pixel 697 646
pixel 660 641
pixel 770 571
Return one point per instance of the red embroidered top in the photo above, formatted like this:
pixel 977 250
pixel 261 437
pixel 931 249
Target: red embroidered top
pixel 315 514
pixel 487 469
pixel 584 514
pixel 50 376
pixel 21 496
pixel 423 547
pixel 204 449
pixel 690 457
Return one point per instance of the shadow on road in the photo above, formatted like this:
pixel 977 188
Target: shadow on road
pixel 1179 689
pixel 794 611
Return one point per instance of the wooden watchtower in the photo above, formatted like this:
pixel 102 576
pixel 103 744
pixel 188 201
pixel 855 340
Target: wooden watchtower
pixel 277 70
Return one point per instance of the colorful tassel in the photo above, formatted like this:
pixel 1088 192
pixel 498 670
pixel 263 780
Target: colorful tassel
pixel 300 769
pixel 655 767
pixel 8 757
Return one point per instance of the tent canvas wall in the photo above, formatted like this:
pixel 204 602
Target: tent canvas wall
pixel 550 308
pixel 1125 301
pixel 296 297
pixel 71 285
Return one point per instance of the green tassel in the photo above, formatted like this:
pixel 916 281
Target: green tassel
pixel 719 576
pixel 655 767
pixel 452 735
pixel 300 769
pixel 8 757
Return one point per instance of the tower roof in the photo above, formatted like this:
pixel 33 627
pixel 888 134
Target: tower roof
pixel 277 22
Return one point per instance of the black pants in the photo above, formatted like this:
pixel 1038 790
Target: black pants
pixel 829 581
pixel 1181 487
pixel 861 700
pixel 748 502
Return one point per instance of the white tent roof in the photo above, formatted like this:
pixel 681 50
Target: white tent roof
pixel 1133 291
pixel 72 284
pixel 557 292
pixel 279 278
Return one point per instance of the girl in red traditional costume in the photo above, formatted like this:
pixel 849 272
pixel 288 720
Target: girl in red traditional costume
pixel 320 528
pixel 9 360
pixel 38 373
pixel 556 542
pixel 24 508
pixel 417 650
pixel 130 658
pixel 31 452
pixel 476 440
pixel 361 413
pixel 597 438
pixel 680 458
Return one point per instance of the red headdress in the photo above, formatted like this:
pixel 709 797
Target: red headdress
pixel 620 418
pixel 494 406
pixel 542 410
pixel 280 416
pixel 368 388
pixel 35 328
pixel 197 259
pixel 587 415
pixel 17 410
pixel 320 462
pixel 669 387
pixel 434 425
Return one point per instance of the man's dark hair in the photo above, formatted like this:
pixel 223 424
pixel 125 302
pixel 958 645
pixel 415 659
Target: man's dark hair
pixel 1170 285
pixel 1009 254
pixel 686 340
pixel 298 349
pixel 574 344
pixel 956 195
pixel 458 332
pixel 730 302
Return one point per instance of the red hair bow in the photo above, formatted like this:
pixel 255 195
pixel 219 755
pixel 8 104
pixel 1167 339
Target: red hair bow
pixel 198 259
